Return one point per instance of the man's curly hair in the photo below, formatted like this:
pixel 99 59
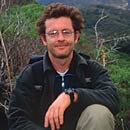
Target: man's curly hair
pixel 57 10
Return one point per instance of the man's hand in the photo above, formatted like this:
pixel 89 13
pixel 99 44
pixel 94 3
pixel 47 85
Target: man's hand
pixel 55 114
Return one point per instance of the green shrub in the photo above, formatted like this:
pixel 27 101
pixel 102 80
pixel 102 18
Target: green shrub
pixel 21 20
pixel 120 74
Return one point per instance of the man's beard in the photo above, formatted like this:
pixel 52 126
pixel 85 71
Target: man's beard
pixel 62 56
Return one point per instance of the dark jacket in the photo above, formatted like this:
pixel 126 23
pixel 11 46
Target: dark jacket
pixel 34 92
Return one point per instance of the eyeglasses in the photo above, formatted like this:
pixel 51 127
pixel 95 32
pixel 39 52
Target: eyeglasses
pixel 55 33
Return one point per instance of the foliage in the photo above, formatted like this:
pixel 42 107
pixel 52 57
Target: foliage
pixel 24 2
pixel 21 21
pixel 18 28
pixel 124 45
pixel 84 45
pixel 120 73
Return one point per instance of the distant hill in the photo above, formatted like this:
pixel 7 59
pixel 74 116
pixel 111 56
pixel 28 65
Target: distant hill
pixel 116 23
pixel 115 26
pixel 81 3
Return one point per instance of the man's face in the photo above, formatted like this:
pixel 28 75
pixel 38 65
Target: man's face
pixel 60 37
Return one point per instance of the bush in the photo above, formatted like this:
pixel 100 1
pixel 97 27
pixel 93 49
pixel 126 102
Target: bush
pixel 120 74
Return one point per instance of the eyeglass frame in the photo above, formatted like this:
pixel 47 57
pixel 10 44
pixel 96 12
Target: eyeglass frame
pixel 55 33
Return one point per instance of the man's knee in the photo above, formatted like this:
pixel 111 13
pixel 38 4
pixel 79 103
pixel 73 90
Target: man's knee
pixel 98 112
pixel 97 117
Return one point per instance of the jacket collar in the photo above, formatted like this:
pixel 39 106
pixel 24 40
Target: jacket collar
pixel 47 63
pixel 81 58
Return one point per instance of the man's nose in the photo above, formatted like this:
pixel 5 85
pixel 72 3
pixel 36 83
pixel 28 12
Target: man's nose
pixel 61 36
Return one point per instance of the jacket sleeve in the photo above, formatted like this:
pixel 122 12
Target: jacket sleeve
pixel 23 104
pixel 102 91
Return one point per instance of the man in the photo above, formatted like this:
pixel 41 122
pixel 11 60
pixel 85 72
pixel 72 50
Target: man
pixel 65 90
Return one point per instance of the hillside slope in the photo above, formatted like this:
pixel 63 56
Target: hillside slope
pixel 81 3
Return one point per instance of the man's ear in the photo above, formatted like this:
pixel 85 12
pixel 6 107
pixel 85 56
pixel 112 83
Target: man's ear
pixel 77 36
pixel 43 39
